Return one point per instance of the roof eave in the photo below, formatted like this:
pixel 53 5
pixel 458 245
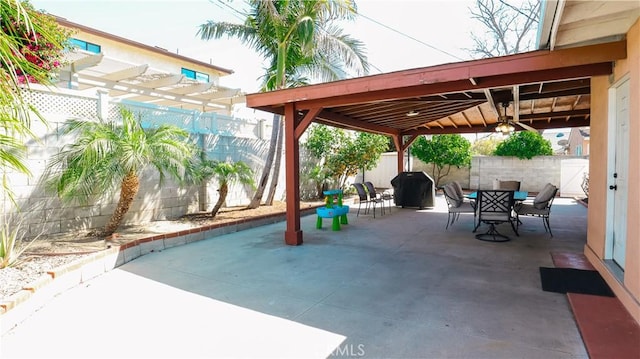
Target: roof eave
pixel 545 25
pixel 64 22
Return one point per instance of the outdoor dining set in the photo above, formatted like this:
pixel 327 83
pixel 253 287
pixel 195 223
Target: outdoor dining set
pixel 504 203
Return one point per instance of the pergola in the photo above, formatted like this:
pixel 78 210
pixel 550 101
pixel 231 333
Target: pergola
pixel 541 89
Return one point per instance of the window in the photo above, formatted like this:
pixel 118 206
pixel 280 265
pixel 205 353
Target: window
pixel 195 75
pixel 83 45
pixel 579 150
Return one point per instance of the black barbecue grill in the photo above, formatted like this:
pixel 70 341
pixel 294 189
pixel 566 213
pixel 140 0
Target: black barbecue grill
pixel 413 189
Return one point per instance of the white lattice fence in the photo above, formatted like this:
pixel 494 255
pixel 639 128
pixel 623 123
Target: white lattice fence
pixel 68 105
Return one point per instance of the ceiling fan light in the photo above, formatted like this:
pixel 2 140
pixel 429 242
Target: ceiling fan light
pixel 412 113
pixel 505 128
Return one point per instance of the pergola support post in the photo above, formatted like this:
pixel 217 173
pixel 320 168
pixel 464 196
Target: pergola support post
pixel 294 127
pixel 401 146
pixel 293 233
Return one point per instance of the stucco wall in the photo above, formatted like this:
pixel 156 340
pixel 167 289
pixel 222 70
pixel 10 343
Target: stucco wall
pixel 629 290
pixel 596 219
pixel 632 278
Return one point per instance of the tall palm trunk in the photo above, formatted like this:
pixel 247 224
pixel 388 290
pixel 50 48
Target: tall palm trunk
pixel 224 189
pixel 262 184
pixel 276 165
pixel 128 190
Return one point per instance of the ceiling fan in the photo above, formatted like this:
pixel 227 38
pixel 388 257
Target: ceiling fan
pixel 506 123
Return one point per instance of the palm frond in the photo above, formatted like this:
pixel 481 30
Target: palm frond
pixel 104 152
pixel 297 39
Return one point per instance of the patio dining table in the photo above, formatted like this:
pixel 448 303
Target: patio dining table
pixel 517 195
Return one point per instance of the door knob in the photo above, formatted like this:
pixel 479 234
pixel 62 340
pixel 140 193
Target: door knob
pixel 613 187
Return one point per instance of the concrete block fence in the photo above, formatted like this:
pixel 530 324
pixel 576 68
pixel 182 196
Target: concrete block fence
pixel 222 137
pixel 566 172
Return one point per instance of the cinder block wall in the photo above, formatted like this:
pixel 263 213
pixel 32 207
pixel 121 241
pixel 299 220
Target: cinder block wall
pixel 533 174
pixel 222 137
pixel 460 174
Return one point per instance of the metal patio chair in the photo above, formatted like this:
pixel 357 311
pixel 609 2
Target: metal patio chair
pixel 456 205
pixel 494 207
pixel 540 207
pixel 364 198
pixel 378 197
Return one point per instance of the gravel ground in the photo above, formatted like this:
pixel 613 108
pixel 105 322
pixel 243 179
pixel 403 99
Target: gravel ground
pixel 14 278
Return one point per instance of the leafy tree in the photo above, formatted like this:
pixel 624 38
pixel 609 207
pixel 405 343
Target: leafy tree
pixel 321 142
pixel 360 153
pixel 319 175
pixel 31 48
pixel 107 155
pixel 524 145
pixel 486 146
pixel 442 151
pixel 299 41
pixel 226 173
pixel 342 154
pixel 511 29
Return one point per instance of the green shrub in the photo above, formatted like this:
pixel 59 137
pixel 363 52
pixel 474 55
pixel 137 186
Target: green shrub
pixel 12 245
pixel 524 145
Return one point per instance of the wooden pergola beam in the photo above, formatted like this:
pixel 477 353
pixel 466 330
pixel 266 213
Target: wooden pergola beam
pixel 501 71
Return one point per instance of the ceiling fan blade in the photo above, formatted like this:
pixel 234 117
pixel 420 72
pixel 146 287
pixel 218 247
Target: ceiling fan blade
pixel 526 127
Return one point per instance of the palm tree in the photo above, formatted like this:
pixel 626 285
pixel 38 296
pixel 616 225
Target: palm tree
pixel 299 40
pixel 108 155
pixel 226 174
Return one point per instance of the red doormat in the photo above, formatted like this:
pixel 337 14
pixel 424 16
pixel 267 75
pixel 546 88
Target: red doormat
pixel 571 260
pixel 607 329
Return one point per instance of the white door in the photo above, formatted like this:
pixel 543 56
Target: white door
pixel 619 186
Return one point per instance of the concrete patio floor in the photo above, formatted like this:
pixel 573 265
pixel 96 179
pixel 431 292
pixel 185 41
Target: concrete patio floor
pixel 397 286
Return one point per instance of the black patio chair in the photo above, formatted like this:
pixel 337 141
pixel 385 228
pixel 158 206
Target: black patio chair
pixel 374 196
pixel 363 197
pixel 494 207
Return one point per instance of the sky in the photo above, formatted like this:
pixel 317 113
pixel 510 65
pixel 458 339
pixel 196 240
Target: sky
pixel 398 34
